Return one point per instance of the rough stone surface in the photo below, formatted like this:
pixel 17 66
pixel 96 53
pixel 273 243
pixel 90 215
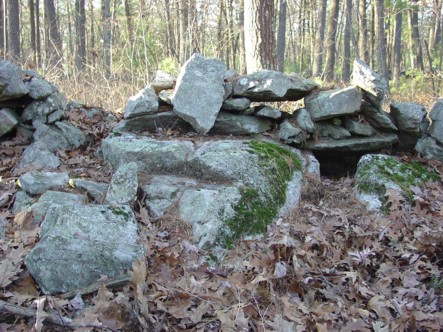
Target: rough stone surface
pixel 236 104
pixel 357 128
pixel 124 185
pixel 269 85
pixel 268 112
pixel 36 157
pixel 96 191
pixel 22 201
pixel 232 124
pixel 374 86
pixel 60 136
pixel 288 133
pixel 411 121
pixel 165 97
pixel 303 120
pixel 151 156
pixel 162 81
pixel 436 115
pixel 80 244
pixel 48 110
pixel 326 129
pixel 377 118
pixel 429 148
pixel 39 182
pixel 143 103
pixel 199 92
pixel 2 228
pixel 332 103
pixel 39 88
pixel 11 81
pixel 354 144
pixel 8 120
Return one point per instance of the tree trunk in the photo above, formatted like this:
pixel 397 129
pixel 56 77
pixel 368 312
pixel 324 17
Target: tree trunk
pixel 33 62
pixel 242 47
pixel 416 54
pixel 80 34
pixel 435 29
pixel 318 59
pixel 281 37
pixel 259 36
pixel 106 21
pixel 37 34
pixel 129 25
pixel 54 50
pixel 363 35
pixel 14 30
pixel 331 41
pixel 381 44
pixel 346 73
pixel 397 46
pixel 183 20
pixel 2 30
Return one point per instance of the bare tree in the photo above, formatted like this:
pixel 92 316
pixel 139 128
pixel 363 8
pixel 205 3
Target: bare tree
pixel 319 41
pixel 346 72
pixel 363 32
pixel 14 29
pixel 80 34
pixel 106 21
pixel 54 50
pixel 397 46
pixel 2 30
pixel 328 75
pixel 33 32
pixel 416 49
pixel 281 36
pixel 381 43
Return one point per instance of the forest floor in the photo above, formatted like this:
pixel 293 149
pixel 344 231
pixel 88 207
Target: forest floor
pixel 330 265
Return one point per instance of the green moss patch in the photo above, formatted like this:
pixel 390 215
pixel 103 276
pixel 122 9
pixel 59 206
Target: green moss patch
pixel 257 209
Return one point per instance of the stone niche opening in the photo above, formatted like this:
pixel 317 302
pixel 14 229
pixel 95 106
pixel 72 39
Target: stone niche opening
pixel 337 165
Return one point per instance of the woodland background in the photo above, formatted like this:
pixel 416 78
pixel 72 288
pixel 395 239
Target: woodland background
pixel 102 51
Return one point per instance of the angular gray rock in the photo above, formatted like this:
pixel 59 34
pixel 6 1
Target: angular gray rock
pixel 378 118
pixel 61 136
pixel 326 129
pixel 47 110
pixel 429 148
pixel 199 92
pixel 124 185
pixel 39 182
pixel 38 88
pixel 354 144
pixel 22 201
pixel 36 157
pixel 233 124
pixel 8 120
pixel 80 244
pixel 303 120
pixel 436 115
pixel 357 128
pixel 333 103
pixel 236 104
pixel 151 156
pixel 2 228
pixel 374 86
pixel 11 81
pixel 269 85
pixel 288 133
pixel 143 103
pixel 96 191
pixel 162 81
pixel 165 97
pixel 411 121
pixel 268 112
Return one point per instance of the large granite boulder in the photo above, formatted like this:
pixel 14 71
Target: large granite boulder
pixel 12 85
pixel 269 85
pixel 199 92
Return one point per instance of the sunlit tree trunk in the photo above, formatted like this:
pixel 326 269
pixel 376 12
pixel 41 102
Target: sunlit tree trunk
pixel 319 41
pixel 33 62
pixel 331 41
pixel 397 46
pixel 2 30
pixel 381 43
pixel 346 72
pixel 363 32
pixel 281 37
pixel 416 49
pixel 129 24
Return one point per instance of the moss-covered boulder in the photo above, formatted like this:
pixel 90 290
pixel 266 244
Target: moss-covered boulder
pixel 377 173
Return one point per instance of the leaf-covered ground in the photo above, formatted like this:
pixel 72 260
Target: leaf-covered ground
pixel 329 266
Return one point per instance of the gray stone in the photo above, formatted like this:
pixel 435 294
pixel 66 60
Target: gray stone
pixel 236 104
pixel 39 182
pixel 162 81
pixel 22 201
pixel 61 136
pixel 96 191
pixel 374 86
pixel 41 110
pixel 332 103
pixel 80 244
pixel 199 92
pixel 11 81
pixel 303 119
pixel 8 120
pixel 326 129
pixel 378 118
pixel 165 97
pixel 38 88
pixel 436 115
pixel 228 87
pixel 232 124
pixel 2 228
pixel 288 133
pixel 124 185
pixel 36 157
pixel 162 192
pixel 354 144
pixel 358 128
pixel 153 123
pixel 269 85
pixel 143 103
pixel 207 211
pixel 429 148
pixel 152 156
pixel 411 121
pixel 268 112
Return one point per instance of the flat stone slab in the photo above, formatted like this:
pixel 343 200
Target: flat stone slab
pixel 355 144
pixel 233 124
pixel 144 102
pixel 39 182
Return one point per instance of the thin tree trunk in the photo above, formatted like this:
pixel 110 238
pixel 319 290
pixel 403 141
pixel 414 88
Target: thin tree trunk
pixel 14 30
pixel 281 37
pixel 106 21
pixel 241 23
pixel 54 50
pixel 80 34
pixel 129 24
pixel 37 32
pixel 33 62
pixel 2 30
pixel 363 33
pixel 331 41
pixel 417 54
pixel 381 44
pixel 397 46
pixel 319 42
pixel 346 73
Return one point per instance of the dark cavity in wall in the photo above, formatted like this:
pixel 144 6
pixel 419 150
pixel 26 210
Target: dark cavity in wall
pixel 337 165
